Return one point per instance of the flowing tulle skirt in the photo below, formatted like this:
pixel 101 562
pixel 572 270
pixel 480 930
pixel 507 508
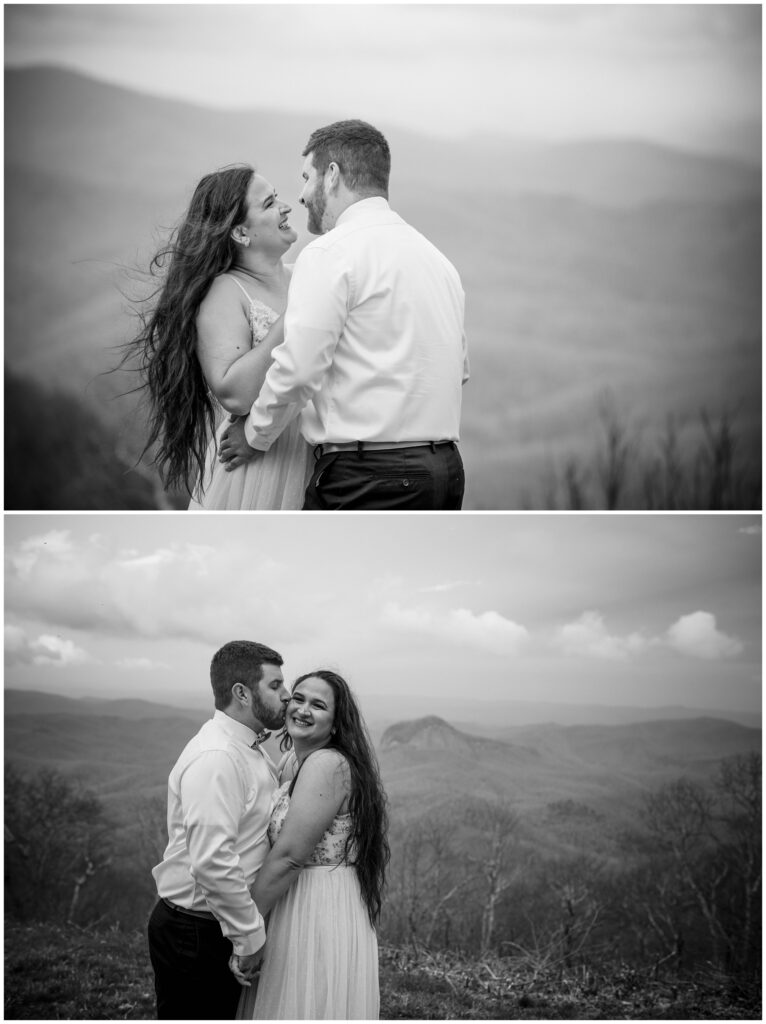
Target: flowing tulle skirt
pixel 321 959
pixel 275 481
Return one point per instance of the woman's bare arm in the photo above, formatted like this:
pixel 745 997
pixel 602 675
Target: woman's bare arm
pixel 233 370
pixel 320 793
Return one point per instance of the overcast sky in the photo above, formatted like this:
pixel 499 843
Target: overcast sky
pixel 686 75
pixel 610 609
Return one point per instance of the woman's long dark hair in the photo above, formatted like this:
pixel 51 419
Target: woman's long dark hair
pixel 182 414
pixel 367 803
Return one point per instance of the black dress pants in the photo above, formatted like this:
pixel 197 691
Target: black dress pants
pixel 190 957
pixel 427 477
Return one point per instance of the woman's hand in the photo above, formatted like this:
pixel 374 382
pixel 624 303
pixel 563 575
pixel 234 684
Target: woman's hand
pixel 233 449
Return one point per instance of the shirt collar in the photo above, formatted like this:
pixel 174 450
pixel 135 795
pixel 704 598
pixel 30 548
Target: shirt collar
pixel 237 730
pixel 362 206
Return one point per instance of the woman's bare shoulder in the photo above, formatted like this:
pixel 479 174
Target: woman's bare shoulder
pixel 223 292
pixel 325 764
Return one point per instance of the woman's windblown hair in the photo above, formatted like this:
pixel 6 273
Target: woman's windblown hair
pixel 182 413
pixel 367 804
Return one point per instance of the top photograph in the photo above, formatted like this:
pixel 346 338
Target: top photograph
pixel 284 257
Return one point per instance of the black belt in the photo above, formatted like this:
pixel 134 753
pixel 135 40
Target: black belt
pixel 360 447
pixel 204 914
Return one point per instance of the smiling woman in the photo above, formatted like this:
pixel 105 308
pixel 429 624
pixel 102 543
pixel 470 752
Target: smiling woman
pixel 206 341
pixel 323 878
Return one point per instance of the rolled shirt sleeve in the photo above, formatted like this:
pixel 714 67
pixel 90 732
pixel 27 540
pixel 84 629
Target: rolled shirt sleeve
pixel 214 800
pixel 317 307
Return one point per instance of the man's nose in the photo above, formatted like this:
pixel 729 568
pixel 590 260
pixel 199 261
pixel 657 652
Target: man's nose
pixel 285 207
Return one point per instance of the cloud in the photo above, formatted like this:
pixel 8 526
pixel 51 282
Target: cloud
pixel 443 588
pixel 31 550
pixel 751 531
pixel 140 664
pixel 16 646
pixel 698 636
pixel 46 650
pixel 194 555
pixel 589 636
pixel 181 590
pixel 487 631
pixel 694 635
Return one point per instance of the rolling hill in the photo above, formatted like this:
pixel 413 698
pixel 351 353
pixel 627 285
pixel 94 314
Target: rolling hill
pixel 588 268
pixel 429 760
pixel 124 750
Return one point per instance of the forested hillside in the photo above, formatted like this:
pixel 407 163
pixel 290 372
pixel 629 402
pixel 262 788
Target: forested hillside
pixel 568 850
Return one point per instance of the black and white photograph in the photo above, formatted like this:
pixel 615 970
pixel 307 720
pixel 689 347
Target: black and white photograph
pixel 486 278
pixel 488 767
pixel 383 257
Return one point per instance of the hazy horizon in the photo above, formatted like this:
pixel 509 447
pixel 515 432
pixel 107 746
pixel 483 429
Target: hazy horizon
pixel 485 717
pixel 647 611
pixel 687 76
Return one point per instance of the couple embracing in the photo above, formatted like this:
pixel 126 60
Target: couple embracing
pixel 341 375
pixel 271 882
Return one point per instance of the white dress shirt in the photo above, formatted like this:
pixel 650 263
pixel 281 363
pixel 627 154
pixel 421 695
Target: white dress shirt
pixel 220 797
pixel 374 339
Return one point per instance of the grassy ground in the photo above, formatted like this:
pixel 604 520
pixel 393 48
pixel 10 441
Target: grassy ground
pixel 57 973
pixel 428 986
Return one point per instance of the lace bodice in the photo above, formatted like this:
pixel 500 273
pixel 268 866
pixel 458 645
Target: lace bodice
pixel 330 850
pixel 262 319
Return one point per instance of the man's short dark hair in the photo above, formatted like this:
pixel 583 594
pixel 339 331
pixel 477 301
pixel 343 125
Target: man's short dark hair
pixel 240 661
pixel 360 151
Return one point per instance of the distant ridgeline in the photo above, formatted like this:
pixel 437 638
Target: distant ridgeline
pixel 561 843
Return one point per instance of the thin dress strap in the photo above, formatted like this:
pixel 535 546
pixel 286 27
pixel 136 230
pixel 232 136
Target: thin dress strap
pixel 244 290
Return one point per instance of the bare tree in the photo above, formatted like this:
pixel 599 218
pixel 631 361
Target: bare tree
pixel 424 880
pixel 713 838
pixel 613 462
pixel 66 839
pixel 498 825
pixel 739 817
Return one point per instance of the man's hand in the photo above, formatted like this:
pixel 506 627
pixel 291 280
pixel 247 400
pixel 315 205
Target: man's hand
pixel 246 968
pixel 234 450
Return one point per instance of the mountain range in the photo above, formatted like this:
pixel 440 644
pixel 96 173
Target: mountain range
pixel 124 750
pixel 594 267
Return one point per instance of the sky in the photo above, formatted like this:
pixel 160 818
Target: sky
pixel 682 74
pixel 644 611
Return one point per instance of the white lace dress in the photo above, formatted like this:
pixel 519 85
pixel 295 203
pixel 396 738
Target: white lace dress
pixel 321 959
pixel 276 481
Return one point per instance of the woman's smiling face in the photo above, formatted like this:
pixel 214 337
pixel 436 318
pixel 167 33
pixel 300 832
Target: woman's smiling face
pixel 311 713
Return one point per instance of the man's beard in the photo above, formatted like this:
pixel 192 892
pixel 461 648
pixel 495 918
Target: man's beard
pixel 316 207
pixel 268 716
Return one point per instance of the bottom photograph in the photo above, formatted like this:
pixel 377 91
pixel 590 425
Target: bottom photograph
pixel 448 767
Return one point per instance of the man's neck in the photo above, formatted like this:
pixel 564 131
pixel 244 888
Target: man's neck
pixel 346 202
pixel 243 718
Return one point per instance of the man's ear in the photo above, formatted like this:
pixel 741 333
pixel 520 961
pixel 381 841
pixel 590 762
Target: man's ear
pixel 332 177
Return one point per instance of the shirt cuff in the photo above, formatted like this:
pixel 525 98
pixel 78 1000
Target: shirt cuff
pixel 245 945
pixel 254 439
